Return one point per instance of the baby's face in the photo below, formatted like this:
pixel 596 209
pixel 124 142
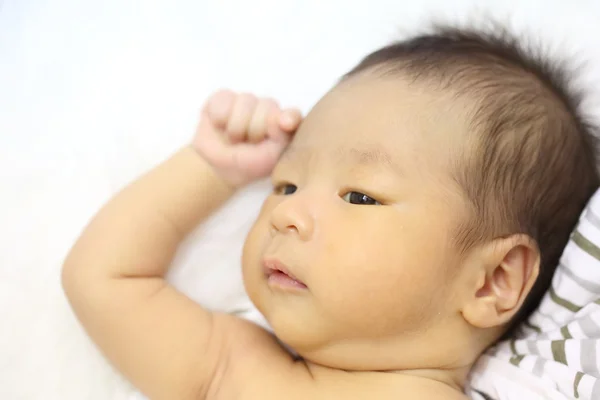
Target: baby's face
pixel 362 216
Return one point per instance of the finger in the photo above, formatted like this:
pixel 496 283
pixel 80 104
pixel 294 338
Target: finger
pixel 207 138
pixel 260 158
pixel 257 129
pixel 283 125
pixel 290 119
pixel 219 107
pixel 273 130
pixel 237 126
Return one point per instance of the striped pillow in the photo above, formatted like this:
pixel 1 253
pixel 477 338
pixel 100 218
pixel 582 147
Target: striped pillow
pixel 560 342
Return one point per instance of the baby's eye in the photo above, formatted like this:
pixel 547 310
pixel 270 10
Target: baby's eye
pixel 359 198
pixel 285 189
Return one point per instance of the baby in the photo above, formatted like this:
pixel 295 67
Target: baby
pixel 417 214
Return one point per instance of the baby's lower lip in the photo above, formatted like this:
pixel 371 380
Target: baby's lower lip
pixel 278 278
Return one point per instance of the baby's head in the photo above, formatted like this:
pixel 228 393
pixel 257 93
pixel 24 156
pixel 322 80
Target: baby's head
pixel 423 205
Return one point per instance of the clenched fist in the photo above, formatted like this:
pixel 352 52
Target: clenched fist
pixel 242 136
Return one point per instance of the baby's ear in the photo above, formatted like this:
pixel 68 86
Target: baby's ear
pixel 502 274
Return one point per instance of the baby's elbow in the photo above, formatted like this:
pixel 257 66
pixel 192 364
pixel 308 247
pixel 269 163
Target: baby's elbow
pixel 70 281
pixel 84 294
pixel 75 280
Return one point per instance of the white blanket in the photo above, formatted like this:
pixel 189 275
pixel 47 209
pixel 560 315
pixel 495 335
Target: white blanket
pixel 93 93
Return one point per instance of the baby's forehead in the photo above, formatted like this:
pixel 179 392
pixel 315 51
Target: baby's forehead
pixel 383 120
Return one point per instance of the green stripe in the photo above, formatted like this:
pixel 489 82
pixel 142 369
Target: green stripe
pixel 565 332
pixel 516 360
pixel 532 326
pixel 563 302
pixel 586 245
pixel 597 301
pixel 558 351
pixel 578 377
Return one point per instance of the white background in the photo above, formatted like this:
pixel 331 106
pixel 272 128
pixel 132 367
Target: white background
pixel 94 92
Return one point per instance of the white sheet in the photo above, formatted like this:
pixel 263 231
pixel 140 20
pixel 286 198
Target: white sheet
pixel 92 93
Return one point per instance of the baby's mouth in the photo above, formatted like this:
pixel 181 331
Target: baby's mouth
pixel 279 275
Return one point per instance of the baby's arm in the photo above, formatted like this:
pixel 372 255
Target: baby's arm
pixel 163 342
pixel 113 277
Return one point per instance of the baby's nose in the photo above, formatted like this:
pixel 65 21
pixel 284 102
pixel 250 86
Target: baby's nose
pixel 294 215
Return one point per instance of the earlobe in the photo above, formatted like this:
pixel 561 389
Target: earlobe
pixel 505 272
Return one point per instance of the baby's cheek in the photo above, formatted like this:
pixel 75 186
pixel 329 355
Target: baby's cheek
pixel 378 305
pixel 364 294
pixel 251 258
pixel 392 285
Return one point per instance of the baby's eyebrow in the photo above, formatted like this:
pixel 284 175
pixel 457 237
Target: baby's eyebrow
pixel 369 156
pixel 294 152
pixel 375 156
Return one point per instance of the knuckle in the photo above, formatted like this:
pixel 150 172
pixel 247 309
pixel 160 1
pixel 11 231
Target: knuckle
pixel 222 97
pixel 223 93
pixel 270 103
pixel 247 100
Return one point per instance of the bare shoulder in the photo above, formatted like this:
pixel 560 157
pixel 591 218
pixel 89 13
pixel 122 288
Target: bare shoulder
pixel 257 367
pixel 253 363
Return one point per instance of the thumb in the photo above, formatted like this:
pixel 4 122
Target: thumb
pixel 290 119
pixel 282 126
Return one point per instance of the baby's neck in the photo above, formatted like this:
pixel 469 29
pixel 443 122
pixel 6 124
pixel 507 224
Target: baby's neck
pixel 447 384
pixel 359 357
pixel 455 378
